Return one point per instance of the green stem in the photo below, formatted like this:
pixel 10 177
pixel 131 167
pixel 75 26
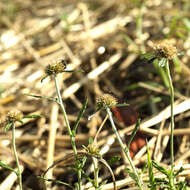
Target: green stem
pixel 172 178
pixel 16 157
pixel 72 137
pixel 96 171
pixel 125 149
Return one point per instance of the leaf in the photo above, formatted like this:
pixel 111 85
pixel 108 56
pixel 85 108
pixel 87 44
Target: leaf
pixel 73 71
pixel 90 140
pixel 150 171
pixel 161 169
pixel 133 133
pixel 162 62
pixel 44 78
pixel 179 171
pixel 114 159
pixel 55 181
pixel 32 116
pixel 148 56
pixel 7 167
pixel 8 126
pixel 81 113
pixel 121 105
pixel 43 97
pixel 132 174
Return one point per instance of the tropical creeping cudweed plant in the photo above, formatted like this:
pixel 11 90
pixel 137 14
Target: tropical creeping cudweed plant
pixel 163 55
pixel 106 101
pixel 9 122
pixel 80 158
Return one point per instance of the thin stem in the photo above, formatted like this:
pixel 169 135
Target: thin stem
pixel 96 171
pixel 72 137
pixel 125 149
pixel 65 116
pixel 16 157
pixel 172 178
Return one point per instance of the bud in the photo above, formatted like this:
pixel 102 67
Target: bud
pixel 57 67
pixel 106 100
pixel 13 116
pixel 165 49
pixel 93 149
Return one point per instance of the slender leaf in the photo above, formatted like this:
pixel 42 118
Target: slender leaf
pixel 150 171
pixel 55 181
pixel 32 116
pixel 148 56
pixel 43 97
pixel 133 133
pixel 44 78
pixel 81 113
pixel 8 126
pixel 161 169
pixel 7 167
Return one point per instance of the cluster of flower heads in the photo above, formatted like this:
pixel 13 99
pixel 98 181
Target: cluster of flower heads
pixel 56 67
pixel 12 116
pixel 165 48
pixel 106 100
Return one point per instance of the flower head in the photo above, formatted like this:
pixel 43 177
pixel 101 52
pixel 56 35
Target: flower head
pixel 56 67
pixel 106 100
pixel 93 149
pixel 166 49
pixel 13 116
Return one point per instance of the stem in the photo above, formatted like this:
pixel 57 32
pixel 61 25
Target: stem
pixel 172 178
pixel 125 149
pixel 65 116
pixel 72 137
pixel 96 171
pixel 16 157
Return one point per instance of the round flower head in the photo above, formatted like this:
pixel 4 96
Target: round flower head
pixel 106 100
pixel 14 115
pixel 165 49
pixel 56 67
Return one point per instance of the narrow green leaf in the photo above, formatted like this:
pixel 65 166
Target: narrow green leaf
pixel 121 105
pixel 90 140
pixel 162 62
pixel 81 113
pixel 44 78
pixel 148 56
pixel 7 167
pixel 73 71
pixel 32 116
pixel 55 181
pixel 132 174
pixel 133 133
pixel 150 171
pixel 161 169
pixel 179 171
pixel 114 159
pixel 8 126
pixel 43 97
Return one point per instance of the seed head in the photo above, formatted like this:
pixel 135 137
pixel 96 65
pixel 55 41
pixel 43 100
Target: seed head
pixel 13 116
pixel 165 49
pixel 56 67
pixel 106 100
